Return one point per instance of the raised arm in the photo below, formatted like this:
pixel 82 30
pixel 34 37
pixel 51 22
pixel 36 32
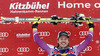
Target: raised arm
pixel 87 41
pixel 37 39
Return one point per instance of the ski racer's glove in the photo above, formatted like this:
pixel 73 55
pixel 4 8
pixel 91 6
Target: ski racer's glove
pixel 90 23
pixel 55 17
pixel 77 17
pixel 35 23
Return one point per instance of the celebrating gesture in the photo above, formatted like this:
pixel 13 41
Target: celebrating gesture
pixel 63 47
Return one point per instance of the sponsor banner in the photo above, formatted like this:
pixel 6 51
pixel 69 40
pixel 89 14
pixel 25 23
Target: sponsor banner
pixel 89 48
pixel 23 49
pixel 4 35
pixel 63 8
pixel 34 7
pixel 23 35
pixel 4 50
pixel 83 34
pixel 16 38
pixel 44 34
pixel 40 50
pixel 37 7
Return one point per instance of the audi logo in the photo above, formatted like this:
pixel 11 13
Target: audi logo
pixel 89 48
pixel 4 34
pixel 44 33
pixel 83 33
pixel 4 50
pixel 69 33
pixel 41 51
pixel 23 49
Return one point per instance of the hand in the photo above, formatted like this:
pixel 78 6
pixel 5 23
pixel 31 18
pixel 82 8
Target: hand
pixel 35 23
pixel 55 17
pixel 90 23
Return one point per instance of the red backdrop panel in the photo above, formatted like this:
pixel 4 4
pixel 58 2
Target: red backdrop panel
pixel 16 38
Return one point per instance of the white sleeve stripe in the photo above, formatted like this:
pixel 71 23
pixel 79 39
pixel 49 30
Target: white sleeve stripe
pixel 51 46
pixel 82 41
pixel 35 34
pixel 91 34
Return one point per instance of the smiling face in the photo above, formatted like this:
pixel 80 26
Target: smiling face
pixel 63 41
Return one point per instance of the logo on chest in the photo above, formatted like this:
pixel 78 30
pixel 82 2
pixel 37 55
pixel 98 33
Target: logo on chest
pixel 63 53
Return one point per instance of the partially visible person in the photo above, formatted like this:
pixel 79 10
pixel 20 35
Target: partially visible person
pixel 63 48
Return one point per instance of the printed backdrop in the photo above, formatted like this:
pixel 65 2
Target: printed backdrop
pixel 16 38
